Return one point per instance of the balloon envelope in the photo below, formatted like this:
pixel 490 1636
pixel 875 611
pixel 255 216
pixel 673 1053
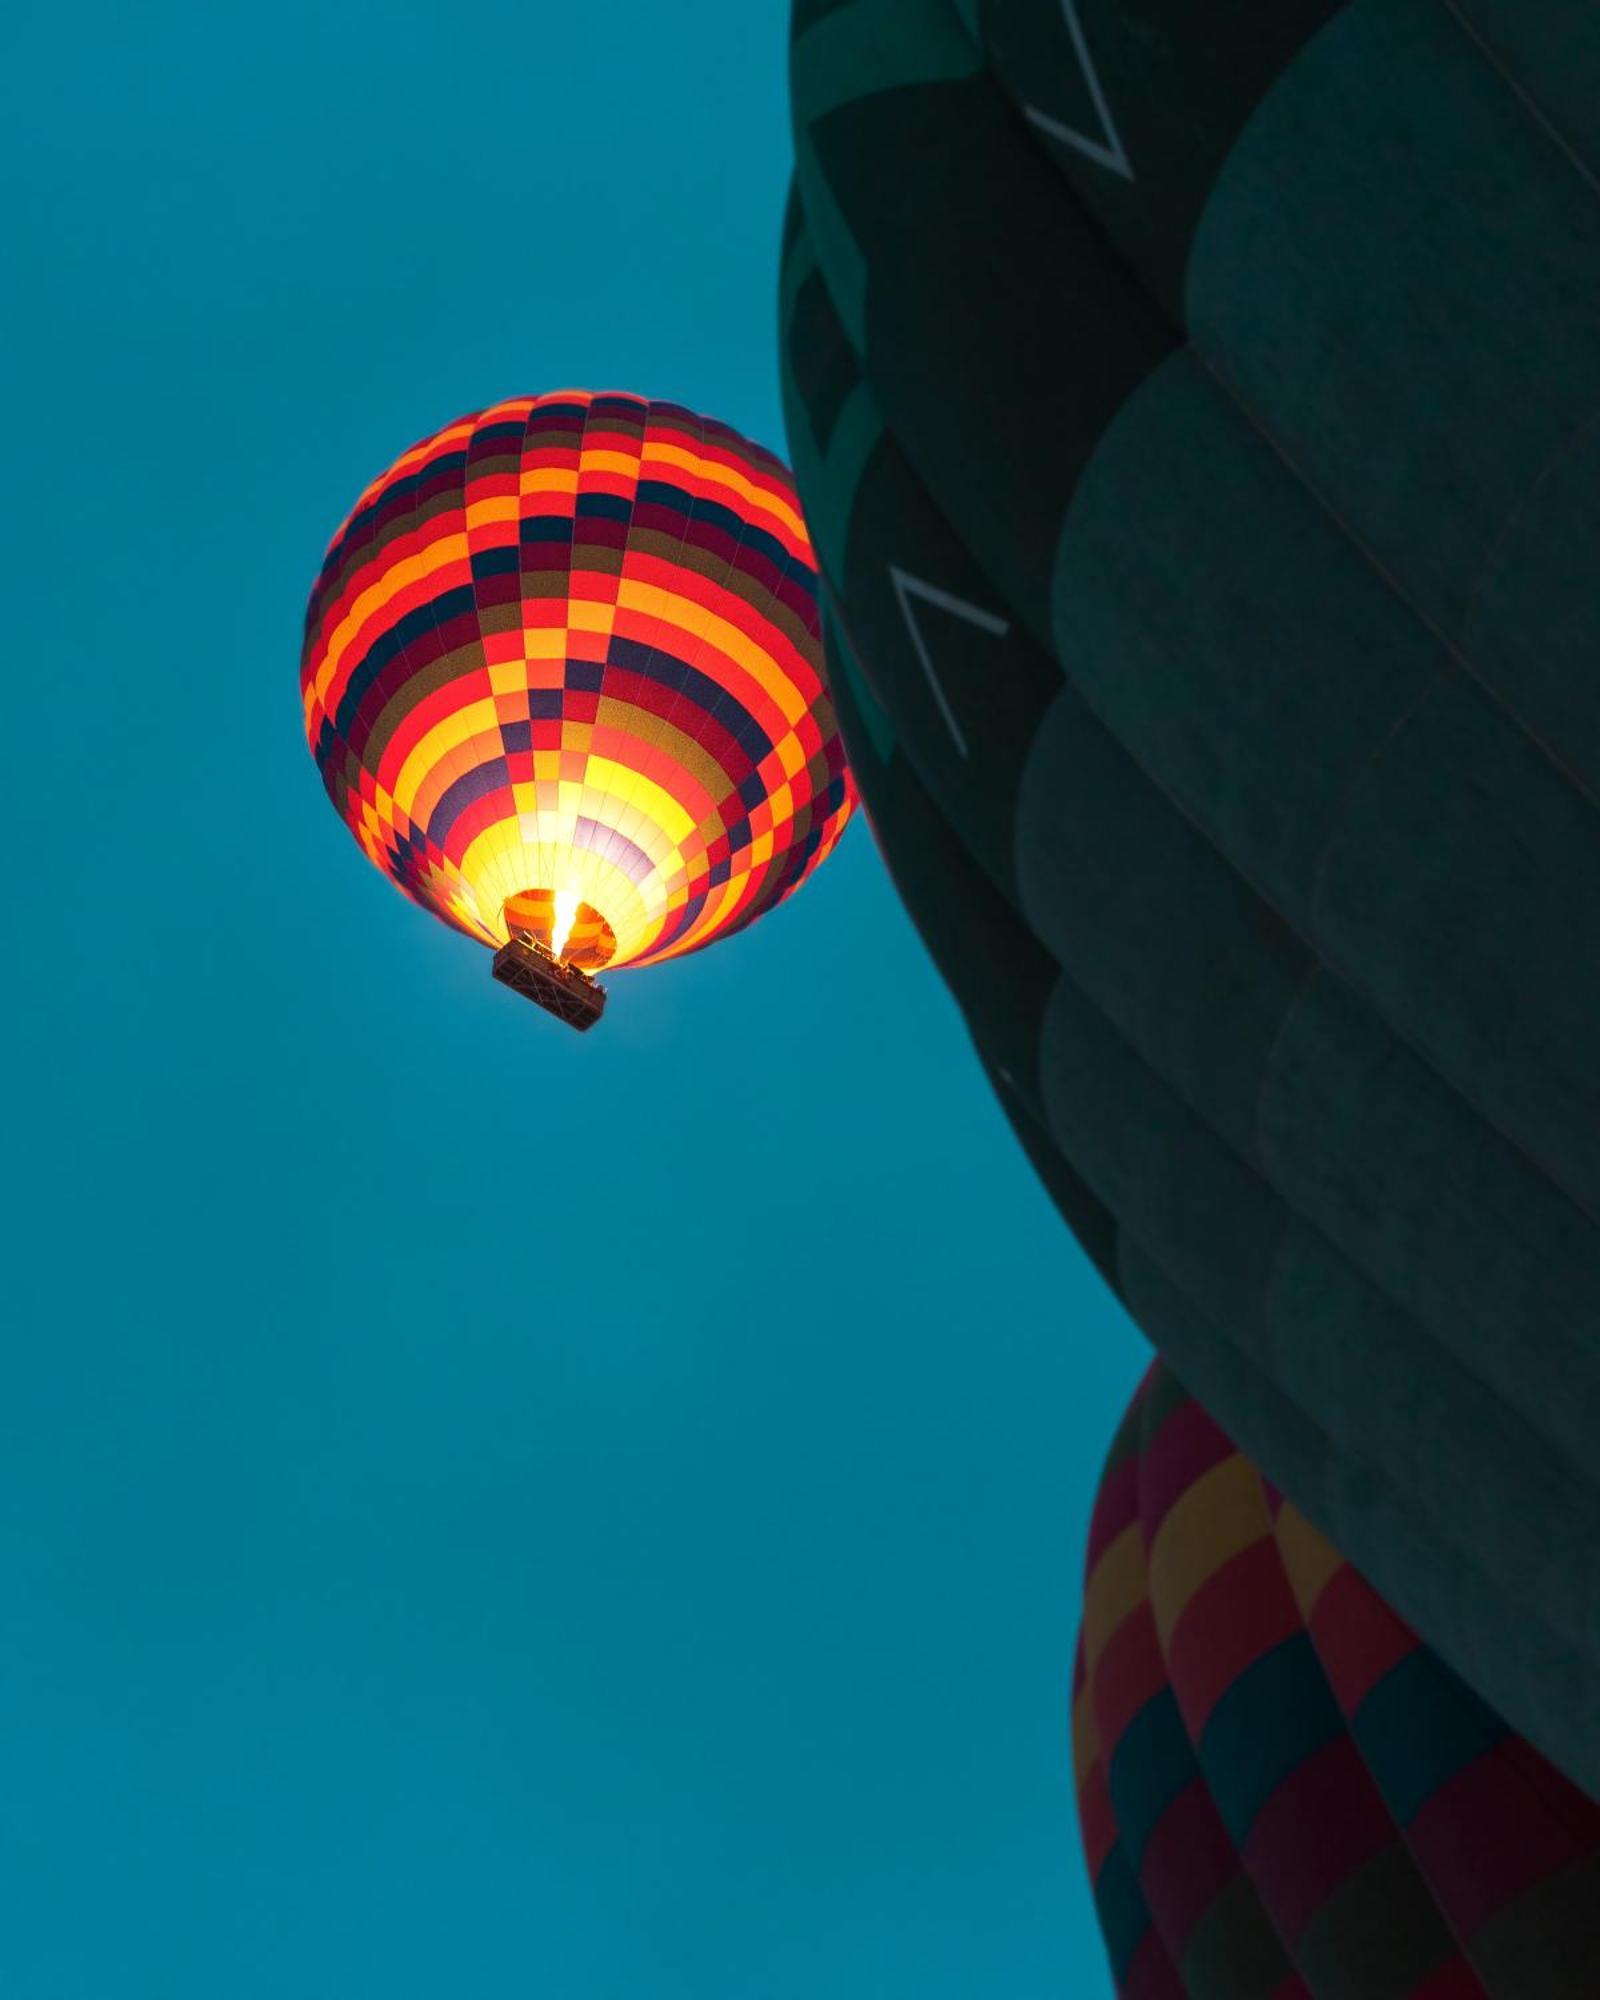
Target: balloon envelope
pixel 1283 1792
pixel 562 676
pixel 1194 407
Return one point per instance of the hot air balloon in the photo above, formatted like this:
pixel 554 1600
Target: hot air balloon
pixel 1194 409
pixel 562 680
pixel 1281 1791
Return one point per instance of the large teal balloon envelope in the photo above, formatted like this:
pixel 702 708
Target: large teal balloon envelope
pixel 1197 408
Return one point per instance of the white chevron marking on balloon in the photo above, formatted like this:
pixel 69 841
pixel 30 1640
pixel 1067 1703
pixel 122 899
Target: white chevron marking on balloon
pixel 1109 152
pixel 905 588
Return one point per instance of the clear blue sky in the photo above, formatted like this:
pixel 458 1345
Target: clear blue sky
pixel 481 1512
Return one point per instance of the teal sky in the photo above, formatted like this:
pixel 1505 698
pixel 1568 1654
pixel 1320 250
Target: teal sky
pixel 481 1512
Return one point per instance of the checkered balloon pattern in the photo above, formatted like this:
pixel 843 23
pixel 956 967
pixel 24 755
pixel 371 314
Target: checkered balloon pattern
pixel 1283 1791
pixel 564 656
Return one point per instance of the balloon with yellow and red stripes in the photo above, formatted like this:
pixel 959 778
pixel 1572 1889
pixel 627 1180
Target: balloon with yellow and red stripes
pixel 1285 1794
pixel 562 677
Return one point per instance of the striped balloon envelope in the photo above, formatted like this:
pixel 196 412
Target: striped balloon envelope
pixel 1284 1794
pixel 562 678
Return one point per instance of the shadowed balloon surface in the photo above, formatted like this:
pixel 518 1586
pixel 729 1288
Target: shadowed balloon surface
pixel 1194 408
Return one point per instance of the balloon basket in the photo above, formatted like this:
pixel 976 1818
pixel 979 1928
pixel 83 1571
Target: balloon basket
pixel 531 969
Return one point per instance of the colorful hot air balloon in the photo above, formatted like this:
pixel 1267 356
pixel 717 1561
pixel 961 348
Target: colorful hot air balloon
pixel 562 681
pixel 1282 1792
pixel 1195 411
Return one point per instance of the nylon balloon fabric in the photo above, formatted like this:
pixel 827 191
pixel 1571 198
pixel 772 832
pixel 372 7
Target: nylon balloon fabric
pixel 1281 1791
pixel 1195 409
pixel 564 656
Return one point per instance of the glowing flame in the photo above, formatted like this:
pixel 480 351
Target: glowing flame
pixel 566 916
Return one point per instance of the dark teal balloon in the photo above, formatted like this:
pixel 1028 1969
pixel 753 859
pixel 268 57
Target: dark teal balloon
pixel 1197 408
